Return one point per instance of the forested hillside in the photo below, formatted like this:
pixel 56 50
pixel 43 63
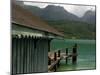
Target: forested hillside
pixel 69 24
pixel 74 29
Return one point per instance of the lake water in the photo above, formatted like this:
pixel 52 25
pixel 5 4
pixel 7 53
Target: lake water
pixel 86 54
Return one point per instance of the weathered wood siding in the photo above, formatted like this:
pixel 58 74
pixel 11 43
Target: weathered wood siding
pixel 29 55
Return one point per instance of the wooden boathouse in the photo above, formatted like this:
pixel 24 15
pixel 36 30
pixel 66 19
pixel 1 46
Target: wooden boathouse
pixel 30 42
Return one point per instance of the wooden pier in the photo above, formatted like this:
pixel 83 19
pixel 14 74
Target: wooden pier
pixel 54 58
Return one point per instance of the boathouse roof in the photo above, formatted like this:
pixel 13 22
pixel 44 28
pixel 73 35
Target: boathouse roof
pixel 23 17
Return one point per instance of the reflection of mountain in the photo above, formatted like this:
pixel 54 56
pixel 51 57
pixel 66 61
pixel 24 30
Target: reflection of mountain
pixel 66 22
pixel 52 12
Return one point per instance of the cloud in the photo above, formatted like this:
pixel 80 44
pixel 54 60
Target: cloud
pixel 41 5
pixel 78 10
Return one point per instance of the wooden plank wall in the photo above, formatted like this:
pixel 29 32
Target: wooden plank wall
pixel 29 55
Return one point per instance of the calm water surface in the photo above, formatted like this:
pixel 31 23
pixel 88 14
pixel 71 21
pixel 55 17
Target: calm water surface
pixel 86 53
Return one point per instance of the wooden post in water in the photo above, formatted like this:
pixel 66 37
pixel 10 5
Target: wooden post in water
pixel 58 64
pixel 74 56
pixel 66 55
pixel 58 53
pixel 55 58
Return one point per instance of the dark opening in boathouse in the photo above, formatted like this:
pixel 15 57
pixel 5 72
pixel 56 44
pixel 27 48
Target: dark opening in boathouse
pixel 30 42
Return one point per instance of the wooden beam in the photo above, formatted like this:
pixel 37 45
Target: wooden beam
pixel 74 56
pixel 66 55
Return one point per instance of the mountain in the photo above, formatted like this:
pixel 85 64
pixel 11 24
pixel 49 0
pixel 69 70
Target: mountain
pixel 52 12
pixel 35 10
pixel 66 22
pixel 76 29
pixel 89 17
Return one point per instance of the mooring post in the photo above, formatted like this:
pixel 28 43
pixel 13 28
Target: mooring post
pixel 55 58
pixel 59 53
pixel 66 55
pixel 74 56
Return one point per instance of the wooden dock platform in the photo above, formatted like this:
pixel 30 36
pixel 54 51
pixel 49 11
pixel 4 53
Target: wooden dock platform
pixel 54 58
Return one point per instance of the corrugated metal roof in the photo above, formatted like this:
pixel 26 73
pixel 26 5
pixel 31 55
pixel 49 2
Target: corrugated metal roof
pixel 25 18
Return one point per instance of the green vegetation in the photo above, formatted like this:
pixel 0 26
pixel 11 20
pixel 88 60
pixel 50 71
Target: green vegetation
pixel 74 29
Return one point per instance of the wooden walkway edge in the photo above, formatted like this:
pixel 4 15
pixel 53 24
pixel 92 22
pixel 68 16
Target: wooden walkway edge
pixel 55 58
